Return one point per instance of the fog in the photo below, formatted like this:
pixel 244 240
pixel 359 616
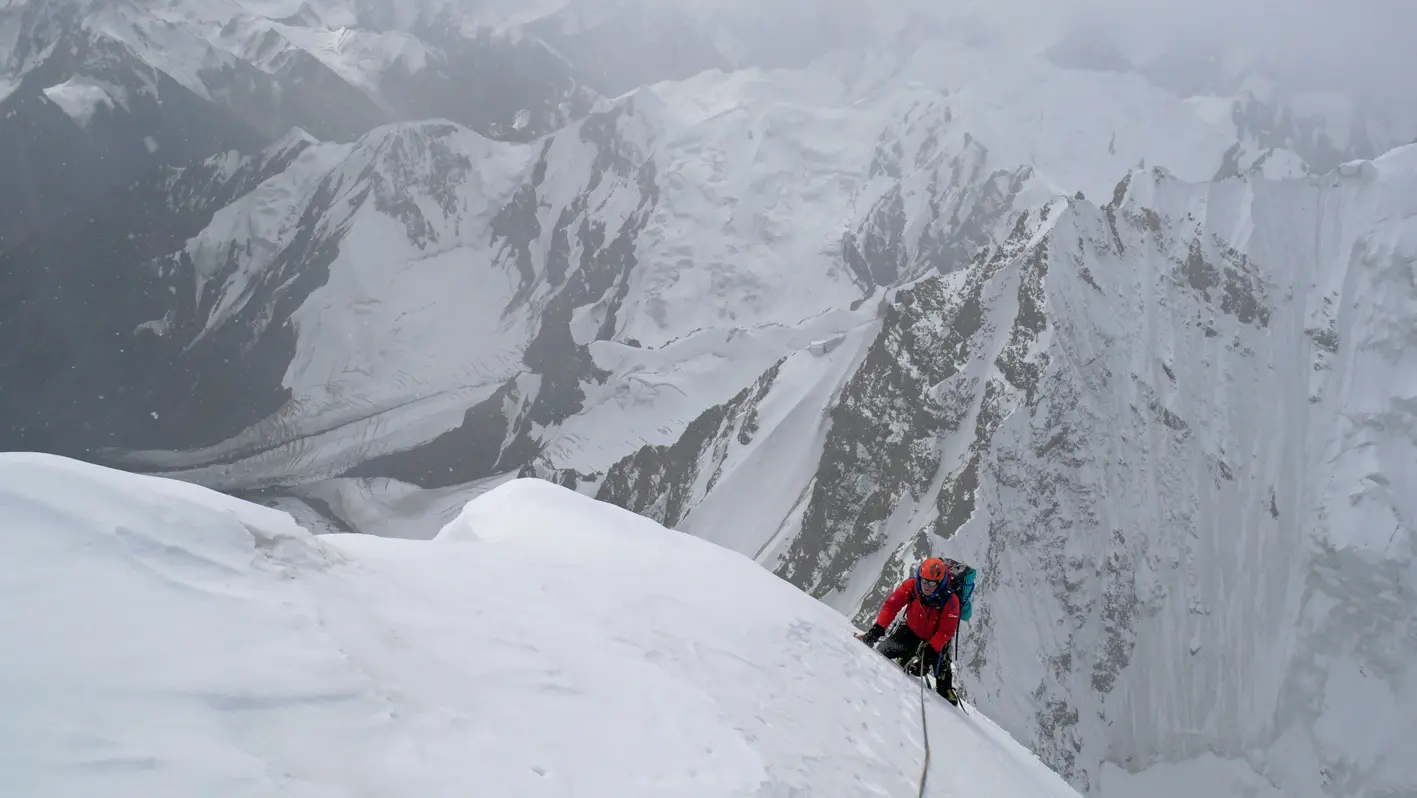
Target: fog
pixel 1359 46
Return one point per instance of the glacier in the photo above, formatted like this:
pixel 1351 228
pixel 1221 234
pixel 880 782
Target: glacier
pixel 180 641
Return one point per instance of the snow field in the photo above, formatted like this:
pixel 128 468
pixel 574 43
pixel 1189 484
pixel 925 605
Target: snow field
pixel 174 641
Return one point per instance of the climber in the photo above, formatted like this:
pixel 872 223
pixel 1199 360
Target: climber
pixel 931 615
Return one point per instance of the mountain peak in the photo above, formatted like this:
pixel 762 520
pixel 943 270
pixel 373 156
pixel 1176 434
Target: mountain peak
pixel 295 139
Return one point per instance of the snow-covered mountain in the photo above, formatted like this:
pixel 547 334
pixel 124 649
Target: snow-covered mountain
pixel 96 93
pixel 308 293
pixel 1139 353
pixel 544 644
pixel 105 91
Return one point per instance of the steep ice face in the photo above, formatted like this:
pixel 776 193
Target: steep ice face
pixel 1201 477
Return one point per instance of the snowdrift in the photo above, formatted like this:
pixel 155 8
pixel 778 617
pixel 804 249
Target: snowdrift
pixel 164 640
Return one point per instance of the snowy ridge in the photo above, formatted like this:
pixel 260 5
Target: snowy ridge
pixel 232 654
pixel 250 233
pixel 82 97
pixel 951 343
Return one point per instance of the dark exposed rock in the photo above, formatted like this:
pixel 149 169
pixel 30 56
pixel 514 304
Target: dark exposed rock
pixel 660 481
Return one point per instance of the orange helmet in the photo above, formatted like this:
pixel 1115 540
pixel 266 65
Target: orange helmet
pixel 933 569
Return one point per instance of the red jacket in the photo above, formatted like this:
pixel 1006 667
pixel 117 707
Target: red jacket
pixel 935 624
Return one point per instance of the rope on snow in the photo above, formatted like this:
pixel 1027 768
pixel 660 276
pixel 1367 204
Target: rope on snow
pixel 924 726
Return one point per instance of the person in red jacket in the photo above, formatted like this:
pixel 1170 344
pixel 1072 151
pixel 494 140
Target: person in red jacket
pixel 931 616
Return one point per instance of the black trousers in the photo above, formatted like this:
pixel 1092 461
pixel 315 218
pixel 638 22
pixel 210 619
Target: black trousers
pixel 902 644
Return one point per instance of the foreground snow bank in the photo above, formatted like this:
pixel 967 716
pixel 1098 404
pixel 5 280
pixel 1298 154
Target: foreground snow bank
pixel 165 640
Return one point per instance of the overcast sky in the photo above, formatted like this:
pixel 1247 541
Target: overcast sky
pixel 1365 45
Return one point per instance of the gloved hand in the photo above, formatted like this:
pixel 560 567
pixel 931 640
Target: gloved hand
pixel 873 635
pixel 930 658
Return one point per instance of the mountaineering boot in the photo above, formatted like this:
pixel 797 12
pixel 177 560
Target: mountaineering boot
pixel 944 684
pixel 948 693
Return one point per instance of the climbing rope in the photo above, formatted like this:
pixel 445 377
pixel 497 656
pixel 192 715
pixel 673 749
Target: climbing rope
pixel 924 727
pixel 960 692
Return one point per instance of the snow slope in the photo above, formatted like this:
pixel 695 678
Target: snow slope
pixel 177 641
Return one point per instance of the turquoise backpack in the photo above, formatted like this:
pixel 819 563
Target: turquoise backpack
pixel 961 584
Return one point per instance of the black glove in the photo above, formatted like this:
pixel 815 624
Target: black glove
pixel 929 658
pixel 873 635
